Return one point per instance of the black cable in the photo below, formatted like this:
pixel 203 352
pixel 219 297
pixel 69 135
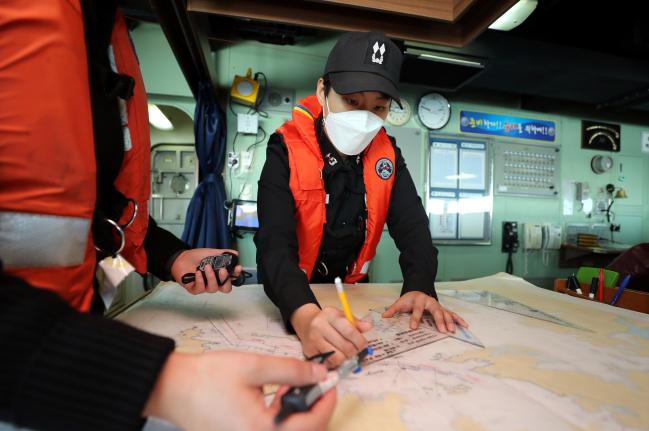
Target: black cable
pixel 241 279
pixel 231 107
pixel 263 138
pixel 234 142
pixel 250 147
pixel 509 268
pixel 234 150
pixel 611 216
pixel 263 88
pixel 230 176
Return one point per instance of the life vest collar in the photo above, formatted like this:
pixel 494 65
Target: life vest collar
pixel 305 113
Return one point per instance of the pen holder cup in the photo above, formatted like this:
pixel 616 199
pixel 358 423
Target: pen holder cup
pixel 629 299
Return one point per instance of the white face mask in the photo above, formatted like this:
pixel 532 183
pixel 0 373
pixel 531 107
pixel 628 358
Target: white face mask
pixel 351 131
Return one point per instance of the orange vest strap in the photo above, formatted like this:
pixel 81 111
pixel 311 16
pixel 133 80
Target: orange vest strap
pixel 133 179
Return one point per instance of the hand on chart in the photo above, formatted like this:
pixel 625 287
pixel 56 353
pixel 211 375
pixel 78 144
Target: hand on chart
pixel 223 391
pixel 417 303
pixel 328 330
pixel 188 260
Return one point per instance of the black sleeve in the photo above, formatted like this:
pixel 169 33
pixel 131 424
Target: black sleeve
pixel 277 255
pixel 408 226
pixel 162 248
pixel 63 370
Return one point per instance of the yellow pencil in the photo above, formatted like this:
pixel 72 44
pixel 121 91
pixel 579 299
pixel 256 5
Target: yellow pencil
pixel 343 301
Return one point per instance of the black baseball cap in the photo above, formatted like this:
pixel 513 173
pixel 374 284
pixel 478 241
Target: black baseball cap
pixel 367 61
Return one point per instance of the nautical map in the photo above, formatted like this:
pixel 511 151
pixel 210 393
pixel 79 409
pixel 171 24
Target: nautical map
pixel 532 374
pixel 391 337
pixel 491 299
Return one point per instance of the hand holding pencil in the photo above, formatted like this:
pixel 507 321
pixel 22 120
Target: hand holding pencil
pixel 343 301
pixel 330 329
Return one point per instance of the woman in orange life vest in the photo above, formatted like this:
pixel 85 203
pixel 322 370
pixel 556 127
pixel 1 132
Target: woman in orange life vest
pixel 331 180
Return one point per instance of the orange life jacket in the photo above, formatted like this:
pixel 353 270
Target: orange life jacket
pixel 47 158
pixel 307 185
pixel 47 168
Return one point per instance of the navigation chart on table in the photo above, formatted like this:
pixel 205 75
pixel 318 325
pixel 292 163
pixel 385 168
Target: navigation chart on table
pixel 500 302
pixel 390 337
pixel 529 368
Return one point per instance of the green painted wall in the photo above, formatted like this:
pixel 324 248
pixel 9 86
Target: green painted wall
pixel 160 70
pixel 298 67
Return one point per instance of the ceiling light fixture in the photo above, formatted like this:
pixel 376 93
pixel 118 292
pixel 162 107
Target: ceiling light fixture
pixel 515 15
pixel 448 59
pixel 158 119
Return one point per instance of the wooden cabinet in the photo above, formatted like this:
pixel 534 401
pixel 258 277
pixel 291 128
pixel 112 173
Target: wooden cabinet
pixel 443 22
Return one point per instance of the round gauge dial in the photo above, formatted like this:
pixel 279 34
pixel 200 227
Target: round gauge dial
pixel 399 116
pixel 601 164
pixel 434 111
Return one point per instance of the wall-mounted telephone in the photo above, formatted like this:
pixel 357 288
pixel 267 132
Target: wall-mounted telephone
pixel 546 236
pixel 510 243
pixel 551 236
pixel 532 236
pixel 510 237
pixel 582 191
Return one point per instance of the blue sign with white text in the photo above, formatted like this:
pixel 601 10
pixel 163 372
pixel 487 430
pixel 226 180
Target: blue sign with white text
pixel 507 125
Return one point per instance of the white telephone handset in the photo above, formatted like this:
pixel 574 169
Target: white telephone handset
pixel 532 236
pixel 551 236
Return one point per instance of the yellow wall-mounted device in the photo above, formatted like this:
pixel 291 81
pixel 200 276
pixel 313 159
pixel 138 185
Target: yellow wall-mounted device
pixel 245 90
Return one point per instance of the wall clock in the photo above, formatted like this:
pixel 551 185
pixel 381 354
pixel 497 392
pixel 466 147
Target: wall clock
pixel 434 111
pixel 399 116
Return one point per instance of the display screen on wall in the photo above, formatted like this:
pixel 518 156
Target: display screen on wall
pixel 459 200
pixel 507 125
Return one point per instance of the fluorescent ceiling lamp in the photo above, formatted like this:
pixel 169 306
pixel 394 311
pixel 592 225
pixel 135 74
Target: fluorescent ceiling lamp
pixel 450 60
pixel 443 57
pixel 515 15
pixel 158 119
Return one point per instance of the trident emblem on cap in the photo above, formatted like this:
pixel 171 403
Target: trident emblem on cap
pixel 380 50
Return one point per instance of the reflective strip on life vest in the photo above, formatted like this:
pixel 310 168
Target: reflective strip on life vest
pixel 42 240
pixel 366 267
pixel 123 111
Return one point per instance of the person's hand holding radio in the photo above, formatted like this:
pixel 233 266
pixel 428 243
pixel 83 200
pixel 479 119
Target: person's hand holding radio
pixel 185 270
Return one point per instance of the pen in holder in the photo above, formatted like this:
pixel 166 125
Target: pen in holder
pixel 630 299
pixel 594 285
